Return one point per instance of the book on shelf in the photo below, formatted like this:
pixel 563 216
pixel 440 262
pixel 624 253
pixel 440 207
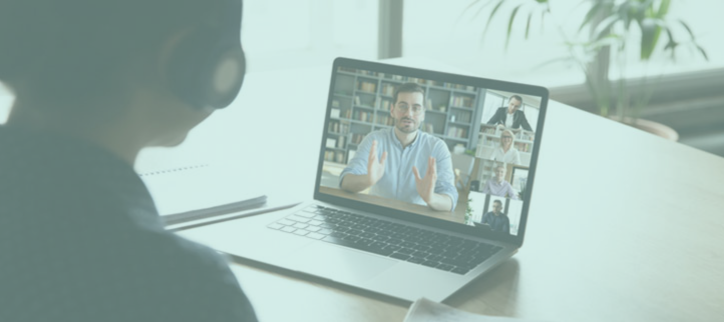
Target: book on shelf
pixel 339 157
pixel 462 101
pixel 335 127
pixel 334 113
pixel 457 132
pixel 357 138
pixel 388 89
pixel 367 86
pixel 386 104
pixel 200 191
pixel 363 116
pixel 341 142
pixel 331 143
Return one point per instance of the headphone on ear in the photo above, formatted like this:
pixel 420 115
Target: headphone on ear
pixel 207 67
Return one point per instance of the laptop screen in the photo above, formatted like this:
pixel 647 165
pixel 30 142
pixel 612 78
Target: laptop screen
pixel 454 148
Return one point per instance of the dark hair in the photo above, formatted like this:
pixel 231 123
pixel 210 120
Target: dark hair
pixel 520 99
pixel 498 201
pixel 408 88
pixel 75 49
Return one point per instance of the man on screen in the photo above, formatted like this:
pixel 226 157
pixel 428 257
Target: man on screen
pixel 404 163
pixel 497 186
pixel 496 219
pixel 511 117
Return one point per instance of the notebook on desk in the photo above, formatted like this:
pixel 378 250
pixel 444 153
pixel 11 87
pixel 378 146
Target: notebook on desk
pixel 380 234
pixel 199 191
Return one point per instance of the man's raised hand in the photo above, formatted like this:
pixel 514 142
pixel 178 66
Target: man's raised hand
pixel 375 169
pixel 426 186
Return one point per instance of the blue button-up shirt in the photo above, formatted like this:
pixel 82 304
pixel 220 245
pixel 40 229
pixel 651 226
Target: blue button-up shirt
pixel 398 182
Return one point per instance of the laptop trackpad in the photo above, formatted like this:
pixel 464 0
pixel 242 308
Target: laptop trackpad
pixel 339 264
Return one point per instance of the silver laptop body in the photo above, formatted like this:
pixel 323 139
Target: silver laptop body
pixel 459 109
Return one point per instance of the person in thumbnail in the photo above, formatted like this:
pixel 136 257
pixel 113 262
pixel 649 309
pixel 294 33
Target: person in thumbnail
pixel 511 117
pixel 403 162
pixel 497 186
pixel 496 219
pixel 506 152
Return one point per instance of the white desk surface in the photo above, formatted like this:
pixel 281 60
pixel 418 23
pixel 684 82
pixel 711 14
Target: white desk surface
pixel 623 225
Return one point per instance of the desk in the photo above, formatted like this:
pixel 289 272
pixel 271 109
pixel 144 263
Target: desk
pixel 623 226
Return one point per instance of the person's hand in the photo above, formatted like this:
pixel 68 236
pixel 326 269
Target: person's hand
pixel 375 169
pixel 426 186
pixel 500 127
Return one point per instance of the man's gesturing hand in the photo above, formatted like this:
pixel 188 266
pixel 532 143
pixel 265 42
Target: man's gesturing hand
pixel 426 186
pixel 375 169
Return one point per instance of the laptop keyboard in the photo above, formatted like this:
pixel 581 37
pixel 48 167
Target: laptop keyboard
pixel 418 246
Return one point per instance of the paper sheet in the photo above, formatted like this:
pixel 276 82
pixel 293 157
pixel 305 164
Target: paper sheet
pixel 424 310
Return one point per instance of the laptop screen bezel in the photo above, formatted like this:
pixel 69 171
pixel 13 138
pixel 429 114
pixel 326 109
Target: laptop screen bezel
pixel 485 83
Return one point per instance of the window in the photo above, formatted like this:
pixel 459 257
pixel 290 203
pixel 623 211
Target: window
pixel 293 33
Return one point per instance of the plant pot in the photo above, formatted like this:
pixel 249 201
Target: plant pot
pixel 652 127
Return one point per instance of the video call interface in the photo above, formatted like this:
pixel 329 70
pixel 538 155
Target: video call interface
pixel 437 149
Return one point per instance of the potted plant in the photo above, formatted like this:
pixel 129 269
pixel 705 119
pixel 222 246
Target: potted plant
pixel 613 26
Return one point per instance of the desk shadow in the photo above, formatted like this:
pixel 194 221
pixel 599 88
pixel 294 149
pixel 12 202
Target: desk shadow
pixel 495 293
pixel 319 280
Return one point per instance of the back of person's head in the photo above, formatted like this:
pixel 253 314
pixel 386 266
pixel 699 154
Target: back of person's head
pixel 78 51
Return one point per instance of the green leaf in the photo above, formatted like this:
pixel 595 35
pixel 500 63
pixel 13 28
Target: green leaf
pixel 703 52
pixel 590 14
pixel 510 25
pixel 672 44
pixel 691 33
pixel 693 39
pixel 604 27
pixel 527 25
pixel 492 14
pixel 643 8
pixel 473 3
pixel 477 13
pixel 650 32
pixel 624 13
pixel 663 8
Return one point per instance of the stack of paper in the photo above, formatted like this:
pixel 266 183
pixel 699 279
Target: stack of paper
pixel 200 191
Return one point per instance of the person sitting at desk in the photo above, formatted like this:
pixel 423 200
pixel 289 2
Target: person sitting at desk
pixel 406 152
pixel 506 152
pixel 497 186
pixel 511 117
pixel 496 219
pixel 95 82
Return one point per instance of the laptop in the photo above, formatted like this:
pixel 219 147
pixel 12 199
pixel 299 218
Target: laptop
pixel 484 135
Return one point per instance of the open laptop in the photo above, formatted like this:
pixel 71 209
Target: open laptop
pixel 390 241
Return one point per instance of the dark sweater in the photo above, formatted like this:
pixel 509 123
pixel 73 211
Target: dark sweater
pixel 81 240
